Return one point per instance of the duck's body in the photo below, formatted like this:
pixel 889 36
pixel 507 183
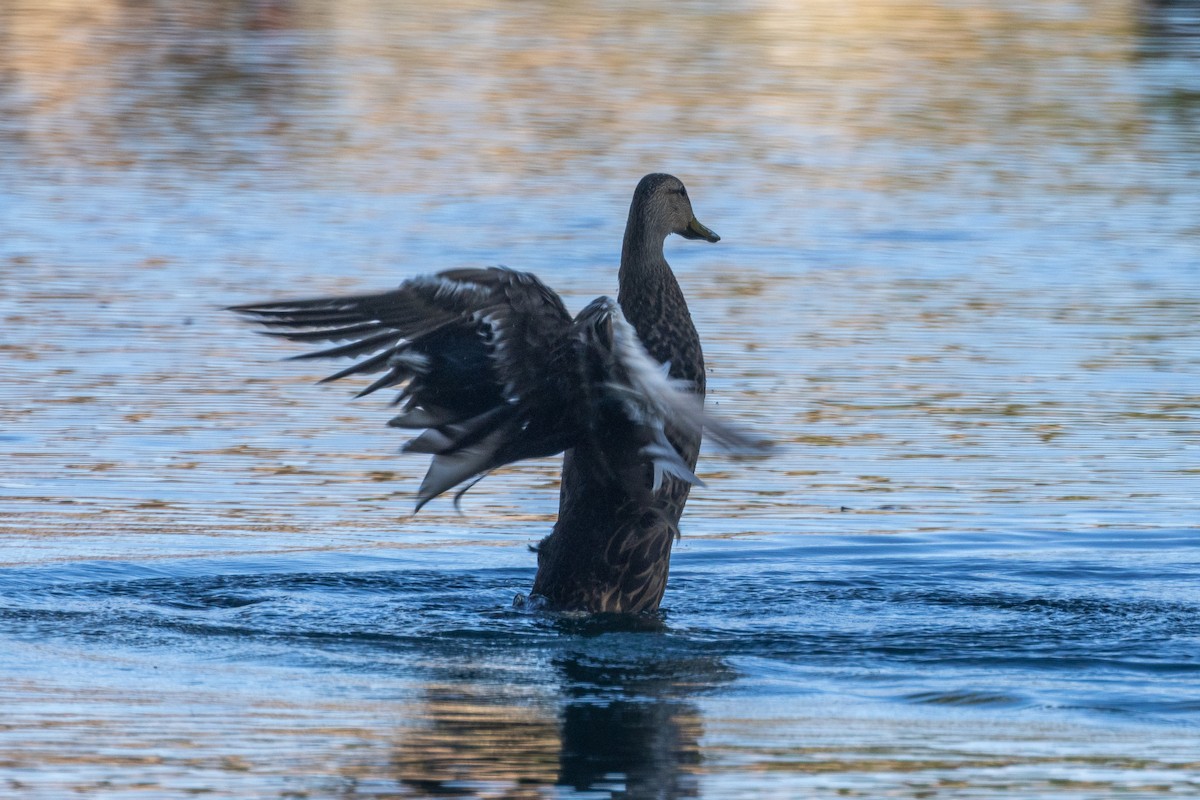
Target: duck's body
pixel 607 552
pixel 497 371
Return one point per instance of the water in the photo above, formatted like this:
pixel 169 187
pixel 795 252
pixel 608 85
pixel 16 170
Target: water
pixel 958 281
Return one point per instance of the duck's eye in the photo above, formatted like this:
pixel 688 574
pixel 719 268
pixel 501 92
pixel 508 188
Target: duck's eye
pixel 681 191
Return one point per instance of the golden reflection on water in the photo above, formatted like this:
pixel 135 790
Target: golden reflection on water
pixel 466 744
pixel 471 96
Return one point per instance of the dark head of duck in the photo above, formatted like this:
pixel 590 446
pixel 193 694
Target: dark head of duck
pixel 660 207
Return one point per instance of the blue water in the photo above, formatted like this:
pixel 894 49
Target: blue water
pixel 1028 663
pixel 958 283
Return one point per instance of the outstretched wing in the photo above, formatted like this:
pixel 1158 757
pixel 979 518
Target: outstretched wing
pixel 492 366
pixel 474 352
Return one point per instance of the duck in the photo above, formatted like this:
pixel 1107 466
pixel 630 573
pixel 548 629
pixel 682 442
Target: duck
pixel 493 369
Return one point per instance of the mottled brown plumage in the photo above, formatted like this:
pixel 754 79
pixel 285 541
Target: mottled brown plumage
pixel 609 552
pixel 495 370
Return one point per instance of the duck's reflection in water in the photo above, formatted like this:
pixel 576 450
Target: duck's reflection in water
pixel 629 725
pixel 622 724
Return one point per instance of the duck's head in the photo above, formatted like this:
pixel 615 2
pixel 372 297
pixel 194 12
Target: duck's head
pixel 661 204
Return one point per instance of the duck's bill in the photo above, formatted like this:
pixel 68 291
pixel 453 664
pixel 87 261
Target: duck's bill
pixel 695 230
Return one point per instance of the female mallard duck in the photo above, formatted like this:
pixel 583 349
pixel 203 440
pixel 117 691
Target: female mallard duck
pixel 495 370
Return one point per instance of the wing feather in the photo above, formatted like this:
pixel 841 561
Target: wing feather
pixel 491 366
pixel 628 390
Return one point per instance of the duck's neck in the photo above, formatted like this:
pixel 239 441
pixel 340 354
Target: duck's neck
pixel 653 302
pixel 645 281
pixel 642 260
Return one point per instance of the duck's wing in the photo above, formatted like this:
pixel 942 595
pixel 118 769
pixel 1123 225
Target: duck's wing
pixel 475 352
pixel 492 366
pixel 632 403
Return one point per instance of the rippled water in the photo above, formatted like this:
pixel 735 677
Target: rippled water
pixel 959 281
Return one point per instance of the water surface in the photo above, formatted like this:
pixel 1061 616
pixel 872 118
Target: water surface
pixel 958 282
